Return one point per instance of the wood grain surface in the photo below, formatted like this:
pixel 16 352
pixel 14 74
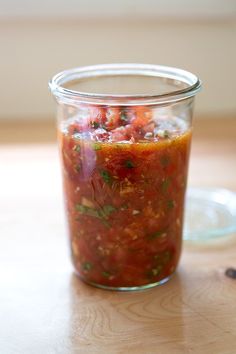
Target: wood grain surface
pixel 46 309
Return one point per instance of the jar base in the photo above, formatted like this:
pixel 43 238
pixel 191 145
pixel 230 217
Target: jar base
pixel 125 288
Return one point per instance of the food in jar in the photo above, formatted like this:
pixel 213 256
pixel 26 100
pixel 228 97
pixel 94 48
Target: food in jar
pixel 124 172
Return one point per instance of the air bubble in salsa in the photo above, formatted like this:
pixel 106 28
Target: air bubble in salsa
pixel 124 173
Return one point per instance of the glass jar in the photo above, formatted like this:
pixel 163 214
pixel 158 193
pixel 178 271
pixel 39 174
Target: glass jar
pixel 124 133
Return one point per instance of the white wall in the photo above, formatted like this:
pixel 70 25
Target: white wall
pixel 32 50
pixel 129 9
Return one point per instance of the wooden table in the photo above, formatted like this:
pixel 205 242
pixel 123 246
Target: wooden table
pixel 45 309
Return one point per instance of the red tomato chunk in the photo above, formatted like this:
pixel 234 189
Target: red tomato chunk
pixel 124 180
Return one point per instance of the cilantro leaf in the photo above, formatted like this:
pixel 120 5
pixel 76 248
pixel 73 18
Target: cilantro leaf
pixel 129 164
pixel 157 234
pixel 87 266
pixel 106 176
pixel 96 146
pixel 165 160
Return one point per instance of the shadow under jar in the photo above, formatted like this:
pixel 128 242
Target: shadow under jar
pixel 124 134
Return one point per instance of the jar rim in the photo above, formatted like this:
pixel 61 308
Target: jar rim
pixel 172 73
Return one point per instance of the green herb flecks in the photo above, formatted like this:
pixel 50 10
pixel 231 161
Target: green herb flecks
pixel 166 134
pixel 106 274
pixel 123 116
pixel 77 168
pixel 129 164
pixel 166 257
pixel 94 125
pixel 85 210
pixel 165 160
pixel 163 258
pixel 170 204
pixel 163 133
pixel 156 235
pixel 77 148
pixel 102 214
pixel 108 209
pixel 106 223
pixel 96 146
pixel 158 258
pixel 106 176
pixel 87 266
pixel 165 184
pixel 154 272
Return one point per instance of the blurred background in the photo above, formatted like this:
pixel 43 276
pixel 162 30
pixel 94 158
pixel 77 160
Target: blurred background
pixel 40 38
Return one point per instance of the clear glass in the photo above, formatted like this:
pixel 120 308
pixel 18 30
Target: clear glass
pixel 210 213
pixel 124 133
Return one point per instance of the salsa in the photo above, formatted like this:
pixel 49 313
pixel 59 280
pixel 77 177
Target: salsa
pixel 124 172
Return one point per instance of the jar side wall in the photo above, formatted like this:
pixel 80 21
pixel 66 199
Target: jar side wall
pixel 179 84
pixel 125 198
